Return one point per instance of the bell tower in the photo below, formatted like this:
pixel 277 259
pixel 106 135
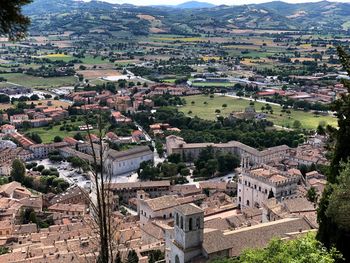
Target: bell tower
pixel 188 233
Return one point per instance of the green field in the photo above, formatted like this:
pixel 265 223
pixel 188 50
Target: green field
pixel 39 82
pixel 47 135
pixel 207 111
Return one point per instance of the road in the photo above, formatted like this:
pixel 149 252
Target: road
pixel 249 99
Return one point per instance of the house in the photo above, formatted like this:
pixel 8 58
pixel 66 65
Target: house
pixel 8 129
pixel 18 119
pixel 73 210
pixel 138 135
pixel 120 118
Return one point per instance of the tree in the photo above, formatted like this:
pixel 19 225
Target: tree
pixel 312 195
pixel 18 171
pixel 321 130
pixel 132 257
pixel 35 137
pixel 296 124
pixel 12 22
pixel 339 200
pixel 331 231
pixel 57 139
pixel 155 255
pixel 304 249
pixel 174 158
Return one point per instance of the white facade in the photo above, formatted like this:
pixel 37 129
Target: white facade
pixel 255 185
pixel 127 161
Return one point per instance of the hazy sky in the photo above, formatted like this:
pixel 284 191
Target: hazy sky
pixel 217 2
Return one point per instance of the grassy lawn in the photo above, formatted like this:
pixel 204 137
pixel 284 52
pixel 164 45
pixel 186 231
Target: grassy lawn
pixel 207 111
pixel 94 61
pixel 47 135
pixel 39 82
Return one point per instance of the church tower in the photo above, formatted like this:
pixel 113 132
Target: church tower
pixel 188 233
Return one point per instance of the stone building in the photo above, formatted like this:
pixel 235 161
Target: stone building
pixel 188 234
pixel 191 241
pixel 257 184
pixel 191 151
pixel 126 191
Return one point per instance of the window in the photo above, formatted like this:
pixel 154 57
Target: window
pixel 177 219
pixel 177 260
pixel 164 216
pixel 239 199
pixel 182 223
pixel 190 227
pixel 247 202
pixel 170 215
pixel 198 223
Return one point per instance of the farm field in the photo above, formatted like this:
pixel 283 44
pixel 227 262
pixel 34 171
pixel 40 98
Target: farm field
pixel 207 111
pixel 39 82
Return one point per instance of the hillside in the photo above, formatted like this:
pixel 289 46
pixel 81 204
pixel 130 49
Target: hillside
pixel 189 18
pixel 194 5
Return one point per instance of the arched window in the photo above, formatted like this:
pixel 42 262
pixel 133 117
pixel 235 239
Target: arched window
pixel 247 202
pixel 190 226
pixel 170 215
pixel 182 223
pixel 177 260
pixel 177 219
pixel 198 223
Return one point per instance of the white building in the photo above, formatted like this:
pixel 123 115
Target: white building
pixel 124 162
pixel 259 183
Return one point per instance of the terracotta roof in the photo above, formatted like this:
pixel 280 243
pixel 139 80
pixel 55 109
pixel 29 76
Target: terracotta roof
pixel 256 236
pixel 189 209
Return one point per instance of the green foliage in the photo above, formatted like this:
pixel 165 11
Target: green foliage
pixel 3 180
pixel 155 255
pixel 132 257
pixel 312 195
pixel 210 162
pixel 159 148
pixel 332 230
pixel 4 250
pixel 12 22
pixel 57 139
pixel 339 200
pixel 302 250
pixel 18 171
pixel 34 136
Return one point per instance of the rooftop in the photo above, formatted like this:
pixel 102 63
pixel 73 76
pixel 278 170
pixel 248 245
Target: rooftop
pixel 189 209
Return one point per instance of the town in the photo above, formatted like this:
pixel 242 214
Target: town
pixel 164 143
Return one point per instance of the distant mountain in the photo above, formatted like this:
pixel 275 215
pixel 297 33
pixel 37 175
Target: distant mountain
pixel 194 5
pixel 189 18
